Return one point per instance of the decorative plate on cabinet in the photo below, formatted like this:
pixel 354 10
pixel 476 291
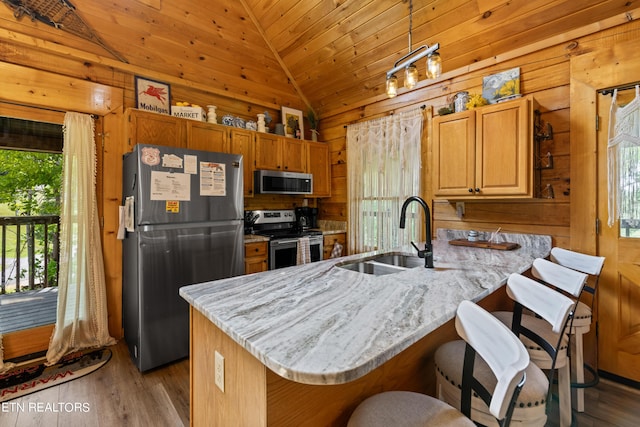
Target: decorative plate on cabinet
pixel 228 119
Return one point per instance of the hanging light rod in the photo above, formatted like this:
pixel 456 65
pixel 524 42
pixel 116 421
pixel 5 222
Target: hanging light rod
pixel 434 63
pixel 410 59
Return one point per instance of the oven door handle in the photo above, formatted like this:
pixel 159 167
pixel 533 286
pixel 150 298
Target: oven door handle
pixel 278 242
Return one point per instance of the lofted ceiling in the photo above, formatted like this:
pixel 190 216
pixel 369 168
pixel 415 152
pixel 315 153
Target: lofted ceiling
pixel 326 54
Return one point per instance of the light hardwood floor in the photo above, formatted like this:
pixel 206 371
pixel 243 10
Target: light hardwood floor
pixel 118 395
pixel 115 395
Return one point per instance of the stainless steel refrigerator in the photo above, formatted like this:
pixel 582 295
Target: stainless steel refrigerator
pixel 183 212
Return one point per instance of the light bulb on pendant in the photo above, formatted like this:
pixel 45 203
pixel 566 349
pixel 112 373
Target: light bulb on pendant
pixel 434 65
pixel 411 76
pixel 392 86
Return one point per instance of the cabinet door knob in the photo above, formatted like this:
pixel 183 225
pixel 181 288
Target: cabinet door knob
pixel 477 190
pixel 471 190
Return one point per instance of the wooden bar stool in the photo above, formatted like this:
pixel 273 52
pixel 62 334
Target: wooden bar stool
pixel 554 309
pixel 506 359
pixel 570 282
pixel 581 324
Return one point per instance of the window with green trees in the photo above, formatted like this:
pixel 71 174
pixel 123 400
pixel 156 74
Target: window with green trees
pixel 30 184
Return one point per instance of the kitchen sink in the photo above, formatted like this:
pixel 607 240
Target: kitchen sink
pixel 399 260
pixel 384 264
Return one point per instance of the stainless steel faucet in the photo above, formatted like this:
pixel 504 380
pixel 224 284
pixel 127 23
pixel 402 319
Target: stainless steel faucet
pixel 427 253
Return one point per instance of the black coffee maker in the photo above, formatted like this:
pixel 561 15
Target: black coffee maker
pixel 306 218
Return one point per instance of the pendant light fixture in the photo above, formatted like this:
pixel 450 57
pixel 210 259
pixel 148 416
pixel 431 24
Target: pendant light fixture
pixel 408 62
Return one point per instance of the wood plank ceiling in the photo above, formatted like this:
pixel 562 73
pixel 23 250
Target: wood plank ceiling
pixel 324 53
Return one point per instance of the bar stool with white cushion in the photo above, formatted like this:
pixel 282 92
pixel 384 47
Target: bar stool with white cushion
pixel 581 324
pixel 536 333
pixel 530 406
pixel 505 357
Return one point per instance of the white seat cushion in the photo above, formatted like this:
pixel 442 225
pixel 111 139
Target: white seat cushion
pixel 406 409
pixel 582 318
pixel 530 404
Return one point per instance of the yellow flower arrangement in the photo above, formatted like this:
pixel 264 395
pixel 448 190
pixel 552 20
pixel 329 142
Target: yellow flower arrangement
pixel 476 100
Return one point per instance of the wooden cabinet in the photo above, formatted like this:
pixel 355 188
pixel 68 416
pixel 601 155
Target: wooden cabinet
pixel 259 150
pixel 153 128
pixel 329 240
pixel 294 155
pixel 318 165
pixel 485 153
pixel 279 153
pixel 268 152
pixel 243 142
pixel 256 257
pixel 206 137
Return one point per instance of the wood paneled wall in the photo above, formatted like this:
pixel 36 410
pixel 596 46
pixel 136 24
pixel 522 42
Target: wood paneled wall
pixel 545 73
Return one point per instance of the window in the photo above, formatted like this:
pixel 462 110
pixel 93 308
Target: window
pixel 383 170
pixel 30 183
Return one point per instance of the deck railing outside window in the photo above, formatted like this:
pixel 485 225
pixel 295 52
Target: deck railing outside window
pixel 29 252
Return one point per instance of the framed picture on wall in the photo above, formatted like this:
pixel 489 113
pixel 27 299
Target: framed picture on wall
pixel 502 86
pixel 152 95
pixel 292 121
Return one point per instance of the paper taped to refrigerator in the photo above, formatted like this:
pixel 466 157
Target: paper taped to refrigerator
pixel 170 186
pixel 171 161
pixel 213 179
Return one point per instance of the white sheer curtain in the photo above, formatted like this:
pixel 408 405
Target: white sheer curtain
pixel 383 158
pixel 623 151
pixel 82 308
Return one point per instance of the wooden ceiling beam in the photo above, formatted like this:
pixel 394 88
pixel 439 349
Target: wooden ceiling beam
pixel 34 87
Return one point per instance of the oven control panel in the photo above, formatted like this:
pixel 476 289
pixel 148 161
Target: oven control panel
pixel 274 216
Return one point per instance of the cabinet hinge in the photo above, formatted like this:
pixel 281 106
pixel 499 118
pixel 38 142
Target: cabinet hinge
pixel 597 122
pixel 597 226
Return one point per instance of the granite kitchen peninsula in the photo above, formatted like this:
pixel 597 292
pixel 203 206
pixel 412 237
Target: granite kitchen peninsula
pixel 304 345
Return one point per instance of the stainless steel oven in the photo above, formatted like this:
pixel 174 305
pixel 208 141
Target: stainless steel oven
pixel 284 232
pixel 283 252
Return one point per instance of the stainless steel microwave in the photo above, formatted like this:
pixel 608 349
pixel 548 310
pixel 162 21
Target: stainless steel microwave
pixel 276 182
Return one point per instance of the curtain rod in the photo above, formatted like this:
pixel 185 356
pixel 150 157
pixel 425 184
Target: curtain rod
pixel 422 107
pixel 609 90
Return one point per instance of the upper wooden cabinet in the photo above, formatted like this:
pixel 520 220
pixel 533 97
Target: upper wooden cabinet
pixel 274 152
pixel 486 152
pixel 152 128
pixel 318 164
pixel 259 150
pixel 207 137
pixel 243 142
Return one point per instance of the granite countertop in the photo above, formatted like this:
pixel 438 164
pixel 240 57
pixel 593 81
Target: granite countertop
pixel 253 238
pixel 322 324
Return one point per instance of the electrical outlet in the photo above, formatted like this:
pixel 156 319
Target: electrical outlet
pixel 219 376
